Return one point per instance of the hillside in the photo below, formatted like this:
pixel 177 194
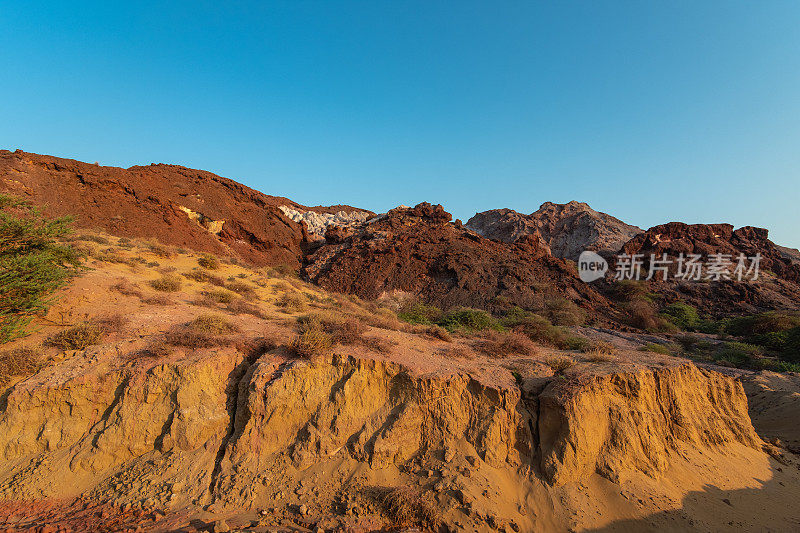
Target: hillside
pixel 176 205
pixel 203 399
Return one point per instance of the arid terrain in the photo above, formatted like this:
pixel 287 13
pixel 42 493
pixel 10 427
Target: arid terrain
pixel 225 360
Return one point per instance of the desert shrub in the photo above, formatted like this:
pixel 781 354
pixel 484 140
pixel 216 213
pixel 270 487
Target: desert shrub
pixel 504 344
pixel 18 362
pixel 791 347
pixel 204 331
pixel 311 343
pixel 384 319
pixel 240 307
pixel 115 257
pixel 342 330
pixel 124 242
pixel 158 299
pixel 242 288
pixel 785 366
pixel 222 296
pixel 683 315
pixel 655 347
pixel 111 323
pixel 599 356
pixel 739 353
pixel 126 288
pixel 563 312
pixel 166 283
pixel 154 264
pixel 407 506
pixel 628 290
pixel 599 347
pixel 536 327
pixel 559 364
pixel 212 324
pixel 419 313
pixel 33 264
pixel 769 322
pixel 201 276
pixel 438 332
pixel 160 250
pixel 687 342
pixel 208 261
pixel 292 302
pixel 468 320
pixel 77 337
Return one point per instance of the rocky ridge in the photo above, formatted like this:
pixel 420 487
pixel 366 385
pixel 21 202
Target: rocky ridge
pixel 420 251
pixel 568 229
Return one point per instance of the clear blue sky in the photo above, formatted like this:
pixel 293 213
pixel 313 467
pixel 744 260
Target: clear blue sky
pixel 651 111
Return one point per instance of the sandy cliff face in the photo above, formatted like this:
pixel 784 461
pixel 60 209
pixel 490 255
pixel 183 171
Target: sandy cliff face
pixel 219 429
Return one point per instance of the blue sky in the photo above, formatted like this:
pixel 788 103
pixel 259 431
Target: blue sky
pixel 650 111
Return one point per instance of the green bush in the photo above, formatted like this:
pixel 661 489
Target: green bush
pixel 466 319
pixel 682 315
pixel 32 263
pixel 739 353
pixel 420 313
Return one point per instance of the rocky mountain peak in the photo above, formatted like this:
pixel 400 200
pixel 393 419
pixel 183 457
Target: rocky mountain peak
pixel 568 229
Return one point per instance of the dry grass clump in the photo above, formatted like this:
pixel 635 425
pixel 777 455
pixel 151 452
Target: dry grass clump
pixel 342 329
pixel 126 288
pixel 292 302
pixel 214 324
pixel 99 239
pixel 18 362
pixel 438 332
pixel 504 344
pixel 114 257
pixel 559 364
pixel 158 299
pixel 77 337
pixel 407 506
pixel 311 343
pixel 166 283
pixel 201 276
pixel 160 250
pixel 599 351
pixel 240 307
pixel 208 261
pixel 221 296
pixel 112 323
pixel 242 288
pixel 169 269
pixel 204 331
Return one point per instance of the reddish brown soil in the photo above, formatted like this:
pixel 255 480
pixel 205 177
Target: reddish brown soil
pixel 146 201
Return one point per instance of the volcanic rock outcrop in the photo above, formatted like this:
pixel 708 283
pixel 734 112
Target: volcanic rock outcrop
pixel 419 250
pixel 176 205
pixel 567 228
pixel 776 287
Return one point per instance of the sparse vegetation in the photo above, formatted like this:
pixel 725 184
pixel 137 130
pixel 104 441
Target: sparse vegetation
pixel 312 343
pixel 292 302
pixel 126 288
pixel 77 337
pixel 503 344
pixel 208 261
pixel 222 296
pixel 469 320
pixel 407 506
pixel 18 362
pixel 32 263
pixel 241 288
pixel 682 315
pixel 158 299
pixel 665 349
pixel 559 364
pixel 240 307
pixel 204 331
pixel 166 283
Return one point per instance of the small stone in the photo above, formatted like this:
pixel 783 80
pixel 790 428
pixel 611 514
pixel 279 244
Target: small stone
pixel 303 509
pixel 221 526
